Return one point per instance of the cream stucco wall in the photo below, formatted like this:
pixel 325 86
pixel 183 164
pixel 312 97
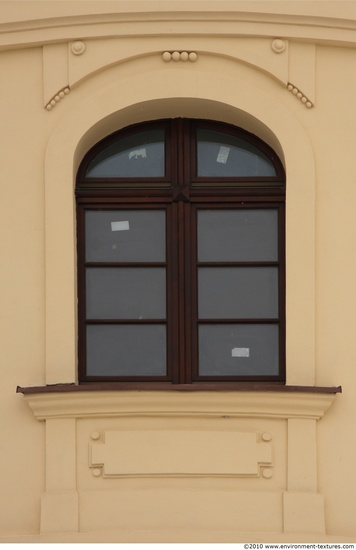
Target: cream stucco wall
pixel 76 71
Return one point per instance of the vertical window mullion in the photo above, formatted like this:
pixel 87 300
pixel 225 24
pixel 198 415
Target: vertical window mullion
pixel 181 292
pixel 188 284
pixel 194 294
pixel 81 276
pixel 174 292
pixel 282 290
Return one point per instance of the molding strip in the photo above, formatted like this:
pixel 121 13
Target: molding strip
pixel 87 404
pixel 320 26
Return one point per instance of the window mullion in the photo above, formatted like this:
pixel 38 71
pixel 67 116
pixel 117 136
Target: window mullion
pixel 174 292
pixel 193 295
pixel 81 293
pixel 181 285
pixel 189 315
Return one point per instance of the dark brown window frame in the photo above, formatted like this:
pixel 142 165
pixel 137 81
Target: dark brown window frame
pixel 181 193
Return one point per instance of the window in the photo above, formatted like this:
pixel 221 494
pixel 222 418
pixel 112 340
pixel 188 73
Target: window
pixel 181 256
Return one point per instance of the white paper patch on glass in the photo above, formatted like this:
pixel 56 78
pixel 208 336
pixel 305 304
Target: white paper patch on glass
pixel 120 226
pixel 223 154
pixel 240 352
pixel 138 153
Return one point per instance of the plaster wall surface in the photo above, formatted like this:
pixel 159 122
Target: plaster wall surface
pixel 238 79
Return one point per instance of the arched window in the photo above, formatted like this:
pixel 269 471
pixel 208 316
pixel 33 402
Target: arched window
pixel 181 267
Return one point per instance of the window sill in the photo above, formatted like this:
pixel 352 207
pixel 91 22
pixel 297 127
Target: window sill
pixel 103 400
pixel 156 386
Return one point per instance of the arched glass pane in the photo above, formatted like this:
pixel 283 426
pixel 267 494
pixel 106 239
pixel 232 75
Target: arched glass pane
pixel 221 155
pixel 140 155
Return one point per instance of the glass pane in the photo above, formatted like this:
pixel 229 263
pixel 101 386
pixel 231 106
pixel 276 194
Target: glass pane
pixel 125 235
pixel 238 350
pixel 238 292
pixel 126 350
pixel 126 293
pixel 221 155
pixel 237 235
pixel 138 156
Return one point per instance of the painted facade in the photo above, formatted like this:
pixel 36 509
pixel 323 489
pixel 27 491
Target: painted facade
pixel 283 461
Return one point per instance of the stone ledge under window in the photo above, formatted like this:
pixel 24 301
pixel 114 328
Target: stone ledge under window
pixel 281 402
pixel 139 386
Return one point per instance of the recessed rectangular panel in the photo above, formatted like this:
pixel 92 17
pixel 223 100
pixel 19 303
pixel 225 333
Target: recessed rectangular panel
pixel 125 236
pixel 126 293
pixel 180 452
pixel 238 292
pixel 238 235
pixel 218 342
pixel 126 350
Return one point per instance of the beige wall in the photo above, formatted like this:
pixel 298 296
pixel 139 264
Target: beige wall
pixel 298 95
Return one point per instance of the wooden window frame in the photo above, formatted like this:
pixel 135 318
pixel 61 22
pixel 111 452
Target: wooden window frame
pixel 181 193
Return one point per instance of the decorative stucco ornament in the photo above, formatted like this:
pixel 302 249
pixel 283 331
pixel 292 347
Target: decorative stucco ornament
pixel 278 45
pixel 180 56
pixel 78 48
pixel 56 99
pixel 299 95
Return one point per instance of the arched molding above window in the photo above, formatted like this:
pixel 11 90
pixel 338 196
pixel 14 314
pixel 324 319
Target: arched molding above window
pixel 67 65
pixel 109 109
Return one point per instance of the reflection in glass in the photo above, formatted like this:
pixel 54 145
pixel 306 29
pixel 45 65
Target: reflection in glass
pixel 125 236
pixel 138 156
pixel 222 155
pixel 238 292
pixel 238 350
pixel 126 293
pixel 126 350
pixel 237 235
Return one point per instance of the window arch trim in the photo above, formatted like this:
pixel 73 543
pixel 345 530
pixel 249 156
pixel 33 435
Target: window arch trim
pixel 70 139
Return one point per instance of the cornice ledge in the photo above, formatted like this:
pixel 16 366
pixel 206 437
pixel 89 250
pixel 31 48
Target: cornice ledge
pixel 46 30
pixel 87 404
